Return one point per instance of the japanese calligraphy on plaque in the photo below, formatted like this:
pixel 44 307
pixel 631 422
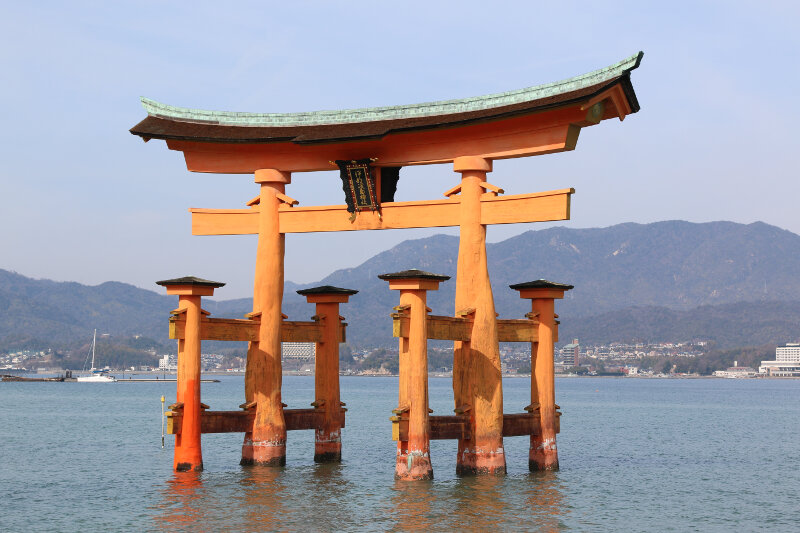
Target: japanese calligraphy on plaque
pixel 358 183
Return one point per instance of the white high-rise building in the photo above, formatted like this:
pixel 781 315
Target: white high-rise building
pixel 299 350
pixel 789 353
pixel 786 363
pixel 168 363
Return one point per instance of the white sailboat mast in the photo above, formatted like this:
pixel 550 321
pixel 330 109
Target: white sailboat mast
pixel 94 341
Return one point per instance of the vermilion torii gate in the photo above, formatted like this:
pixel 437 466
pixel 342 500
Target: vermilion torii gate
pixel 469 133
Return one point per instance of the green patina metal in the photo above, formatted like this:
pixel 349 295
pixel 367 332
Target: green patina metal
pixel 372 114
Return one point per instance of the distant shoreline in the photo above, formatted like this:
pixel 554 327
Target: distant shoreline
pixel 171 376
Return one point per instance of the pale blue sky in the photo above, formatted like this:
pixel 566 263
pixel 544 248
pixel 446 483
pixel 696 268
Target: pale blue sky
pixel 83 200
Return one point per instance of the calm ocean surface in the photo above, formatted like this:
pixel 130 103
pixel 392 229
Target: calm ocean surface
pixel 636 455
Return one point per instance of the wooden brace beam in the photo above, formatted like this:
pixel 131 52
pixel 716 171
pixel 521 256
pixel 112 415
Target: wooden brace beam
pixel 509 209
pixel 460 329
pixel 458 427
pixel 230 329
pixel 242 421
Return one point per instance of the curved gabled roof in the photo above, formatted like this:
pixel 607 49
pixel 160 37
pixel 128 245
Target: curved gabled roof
pixel 170 122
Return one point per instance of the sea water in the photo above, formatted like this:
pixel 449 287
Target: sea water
pixel 635 454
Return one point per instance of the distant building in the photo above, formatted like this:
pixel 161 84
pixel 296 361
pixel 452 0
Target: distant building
pixel 736 371
pixel 305 351
pixel 786 363
pixel 168 363
pixel 570 353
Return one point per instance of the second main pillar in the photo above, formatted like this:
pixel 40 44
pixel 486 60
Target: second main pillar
pixel 266 443
pixel 477 378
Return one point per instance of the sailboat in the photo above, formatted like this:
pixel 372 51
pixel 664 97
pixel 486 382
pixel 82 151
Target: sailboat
pixel 97 375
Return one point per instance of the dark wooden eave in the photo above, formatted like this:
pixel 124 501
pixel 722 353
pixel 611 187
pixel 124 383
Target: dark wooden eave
pixel 169 123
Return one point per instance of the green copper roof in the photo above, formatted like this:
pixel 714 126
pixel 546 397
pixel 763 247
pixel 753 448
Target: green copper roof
pixel 348 116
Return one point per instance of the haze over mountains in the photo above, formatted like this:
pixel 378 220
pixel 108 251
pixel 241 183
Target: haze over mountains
pixel 670 280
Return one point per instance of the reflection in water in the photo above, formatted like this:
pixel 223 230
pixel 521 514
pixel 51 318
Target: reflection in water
pixel 314 497
pixel 325 498
pixel 480 502
pixel 546 500
pixel 182 503
pixel 532 502
pixel 411 505
pixel 261 499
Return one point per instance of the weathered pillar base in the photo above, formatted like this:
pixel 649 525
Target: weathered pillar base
pixel 412 466
pixel 480 462
pixel 189 467
pixel 543 455
pixel 328 447
pixel 263 453
pixel 188 455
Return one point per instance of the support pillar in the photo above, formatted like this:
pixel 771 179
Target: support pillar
pixel 477 378
pixel 327 400
pixel 266 443
pixel 188 450
pixel 543 453
pixel 413 459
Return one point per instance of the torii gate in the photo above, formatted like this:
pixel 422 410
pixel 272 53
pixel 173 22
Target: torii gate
pixel 469 133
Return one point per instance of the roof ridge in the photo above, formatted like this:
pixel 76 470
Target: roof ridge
pixel 373 114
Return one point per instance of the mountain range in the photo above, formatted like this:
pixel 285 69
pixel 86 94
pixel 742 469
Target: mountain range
pixel 671 280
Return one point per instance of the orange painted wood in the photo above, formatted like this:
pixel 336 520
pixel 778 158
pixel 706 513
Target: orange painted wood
pixel 188 452
pixel 412 461
pixel 266 443
pixel 299 419
pixel 543 454
pixel 449 328
pixel 521 424
pixel 242 421
pixel 518 208
pixel 517 330
pixel 404 370
pixel 224 221
pixel 458 427
pixel 460 329
pixel 439 428
pixel 477 379
pixel 219 329
pixel 231 329
pixel 327 437
pixel 540 133
pixel 301 331
pixel 417 465
pixel 439 327
pixel 512 209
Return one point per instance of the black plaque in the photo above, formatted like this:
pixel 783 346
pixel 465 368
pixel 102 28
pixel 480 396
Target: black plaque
pixel 358 183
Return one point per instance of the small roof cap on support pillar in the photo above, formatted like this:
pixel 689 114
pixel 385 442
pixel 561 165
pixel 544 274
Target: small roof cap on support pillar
pixel 190 286
pixel 541 288
pixel 541 284
pixel 413 279
pixel 327 294
pixel 413 273
pixel 326 289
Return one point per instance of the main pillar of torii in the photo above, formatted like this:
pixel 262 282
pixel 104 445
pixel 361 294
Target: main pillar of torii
pixel 470 133
pixel 266 444
pixel 477 380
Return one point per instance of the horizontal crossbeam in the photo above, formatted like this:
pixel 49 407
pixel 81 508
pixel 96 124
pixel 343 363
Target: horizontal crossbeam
pixel 457 427
pixel 460 329
pixel 230 329
pixel 242 421
pixel 512 209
